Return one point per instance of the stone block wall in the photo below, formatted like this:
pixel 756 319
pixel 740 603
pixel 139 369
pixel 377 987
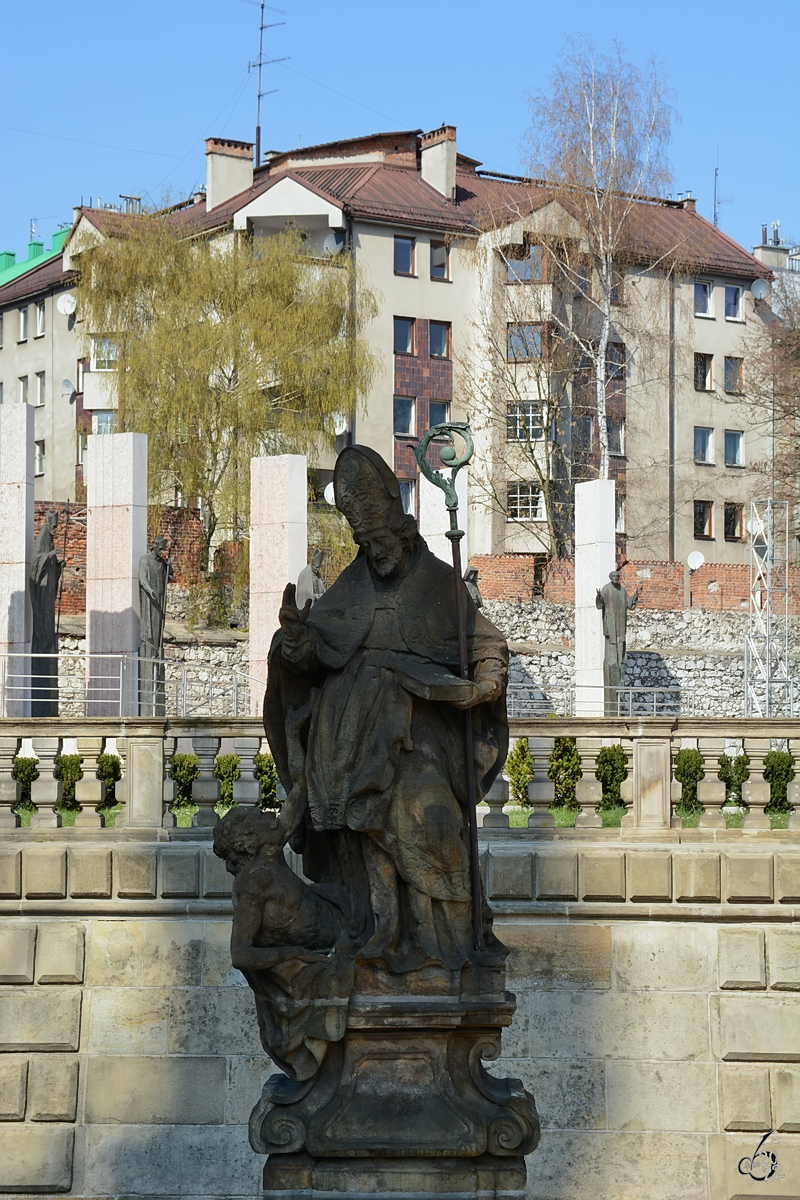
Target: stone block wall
pixel 656 978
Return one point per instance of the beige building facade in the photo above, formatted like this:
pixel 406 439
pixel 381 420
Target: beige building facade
pixel 466 309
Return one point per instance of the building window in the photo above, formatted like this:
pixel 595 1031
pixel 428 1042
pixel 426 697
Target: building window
pixel 616 436
pixel 619 515
pixel 583 432
pixel 615 360
pixel 23 324
pixel 525 502
pixel 524 264
pixel 702 518
pixel 734 448
pixel 404 415
pixel 733 522
pixel 80 368
pixel 440 339
pixel 733 304
pixel 1 331
pixel 703 294
pixel 524 341
pixel 703 445
pixel 617 287
pixel 438 413
pixel 38 448
pixel 104 354
pixel 702 372
pixel 403 335
pixel 403 256
pixel 583 281
pixel 23 389
pixel 440 260
pixel 81 446
pixel 40 383
pixel 104 421
pixel 733 375
pixel 524 421
pixel 40 318
pixel 407 496
pixel 1 392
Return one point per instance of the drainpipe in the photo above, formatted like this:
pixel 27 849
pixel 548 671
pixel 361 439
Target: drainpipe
pixel 351 247
pixel 671 452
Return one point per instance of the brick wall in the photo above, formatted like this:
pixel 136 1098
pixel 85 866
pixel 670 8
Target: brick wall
pixel 181 525
pixel 715 587
pixel 425 379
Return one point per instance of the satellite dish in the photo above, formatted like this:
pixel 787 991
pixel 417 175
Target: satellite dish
pixel 328 494
pixel 339 424
pixel 760 289
pixel 333 242
pixel 695 560
pixel 66 304
pixel 67 387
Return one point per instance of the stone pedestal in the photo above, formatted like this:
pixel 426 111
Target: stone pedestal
pixel 116 538
pixel 595 558
pixel 401 1106
pixel 278 550
pixel 16 544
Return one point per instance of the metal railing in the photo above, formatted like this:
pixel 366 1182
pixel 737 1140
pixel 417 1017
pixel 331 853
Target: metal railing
pixel 116 685
pixel 524 700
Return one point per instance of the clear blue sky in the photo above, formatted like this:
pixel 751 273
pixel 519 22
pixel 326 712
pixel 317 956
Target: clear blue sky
pixel 107 97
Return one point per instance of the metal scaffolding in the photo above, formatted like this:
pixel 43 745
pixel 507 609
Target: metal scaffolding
pixel 767 687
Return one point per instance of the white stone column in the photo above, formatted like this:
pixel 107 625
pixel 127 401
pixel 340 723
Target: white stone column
pixel 595 558
pixel 16 547
pixel 116 538
pixel 434 519
pixel 278 550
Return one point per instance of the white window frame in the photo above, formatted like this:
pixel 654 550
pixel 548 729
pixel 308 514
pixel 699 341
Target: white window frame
pixel 408 496
pixel 731 287
pixel 23 389
pixel 446 404
pixel 448 334
pixel 738 433
pixel 411 431
pixel 708 461
pixel 533 512
pixel 41 385
pixel 402 237
pixel 620 421
pixel 709 286
pixel 99 418
pixel 40 319
pixel 527 413
pixel 94 358
pixel 444 247
pixel 23 324
pixel 39 456
pixel 619 514
pixel 709 377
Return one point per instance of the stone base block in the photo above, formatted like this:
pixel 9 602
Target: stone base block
pixel 296 1176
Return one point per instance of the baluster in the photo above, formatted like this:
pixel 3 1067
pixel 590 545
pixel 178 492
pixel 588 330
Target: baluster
pixel 496 798
pixel 711 789
pixel 121 789
pixel 169 786
pixel 46 790
pixel 247 789
pixel 9 787
pixel 588 790
pixel 756 791
pixel 90 792
pixel 205 789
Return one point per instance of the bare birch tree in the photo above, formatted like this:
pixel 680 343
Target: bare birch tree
pixel 598 141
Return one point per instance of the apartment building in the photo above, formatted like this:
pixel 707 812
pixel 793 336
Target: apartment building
pixel 455 256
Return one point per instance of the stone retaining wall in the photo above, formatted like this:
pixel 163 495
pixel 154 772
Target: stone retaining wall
pixel 656 981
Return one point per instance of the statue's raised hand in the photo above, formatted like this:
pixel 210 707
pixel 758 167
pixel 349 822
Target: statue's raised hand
pixel 292 619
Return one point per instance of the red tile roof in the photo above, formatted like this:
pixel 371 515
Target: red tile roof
pixel 39 279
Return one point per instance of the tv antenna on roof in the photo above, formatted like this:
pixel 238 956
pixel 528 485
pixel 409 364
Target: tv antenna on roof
pixel 262 62
pixel 718 200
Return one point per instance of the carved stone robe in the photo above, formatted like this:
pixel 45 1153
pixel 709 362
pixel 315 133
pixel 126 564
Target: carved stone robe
pixel 384 755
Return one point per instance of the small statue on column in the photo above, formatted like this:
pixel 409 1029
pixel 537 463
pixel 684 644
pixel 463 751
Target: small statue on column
pixel 614 602
pixel 43 581
pixel 155 572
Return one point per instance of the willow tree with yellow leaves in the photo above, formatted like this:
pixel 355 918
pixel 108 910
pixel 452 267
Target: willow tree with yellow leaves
pixel 227 348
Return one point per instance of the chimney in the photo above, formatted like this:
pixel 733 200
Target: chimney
pixel 229 170
pixel 763 235
pixel 438 159
pixel 690 203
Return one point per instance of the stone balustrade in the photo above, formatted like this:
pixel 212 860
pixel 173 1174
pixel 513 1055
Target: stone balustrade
pixel 145 795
